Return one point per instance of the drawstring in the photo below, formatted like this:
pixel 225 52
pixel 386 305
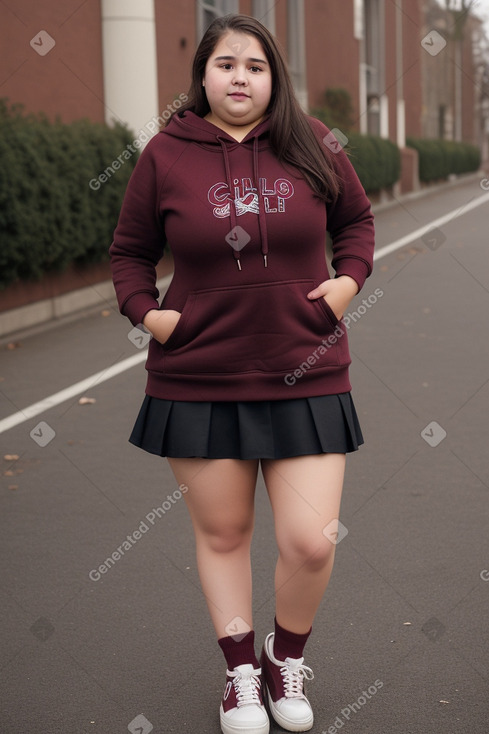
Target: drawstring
pixel 232 208
pixel 261 209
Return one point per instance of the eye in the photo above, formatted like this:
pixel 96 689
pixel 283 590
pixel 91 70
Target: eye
pixel 226 66
pixel 256 68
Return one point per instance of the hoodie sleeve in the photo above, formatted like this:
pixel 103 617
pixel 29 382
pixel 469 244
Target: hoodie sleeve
pixel 350 218
pixel 139 240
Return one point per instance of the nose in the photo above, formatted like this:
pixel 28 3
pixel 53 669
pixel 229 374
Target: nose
pixel 240 77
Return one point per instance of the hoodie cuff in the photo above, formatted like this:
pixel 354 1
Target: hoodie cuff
pixel 137 306
pixel 355 268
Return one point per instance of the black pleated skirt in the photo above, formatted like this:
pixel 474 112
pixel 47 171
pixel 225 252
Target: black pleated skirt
pixel 265 429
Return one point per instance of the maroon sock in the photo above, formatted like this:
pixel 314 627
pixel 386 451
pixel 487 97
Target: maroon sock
pixel 239 652
pixel 288 644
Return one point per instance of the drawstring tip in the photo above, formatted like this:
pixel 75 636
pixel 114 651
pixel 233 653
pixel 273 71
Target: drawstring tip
pixel 265 261
pixel 238 263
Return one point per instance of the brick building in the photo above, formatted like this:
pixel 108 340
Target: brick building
pixel 129 59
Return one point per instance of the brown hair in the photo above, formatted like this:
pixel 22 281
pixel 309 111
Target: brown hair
pixel 291 136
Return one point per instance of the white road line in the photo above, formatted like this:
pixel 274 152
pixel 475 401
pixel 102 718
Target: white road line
pixel 427 227
pixel 60 397
pixel 70 392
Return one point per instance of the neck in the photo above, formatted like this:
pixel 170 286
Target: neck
pixel 238 132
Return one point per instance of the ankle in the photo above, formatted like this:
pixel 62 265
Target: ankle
pixel 239 652
pixel 287 643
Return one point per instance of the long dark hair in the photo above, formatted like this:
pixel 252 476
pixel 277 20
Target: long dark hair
pixel 291 136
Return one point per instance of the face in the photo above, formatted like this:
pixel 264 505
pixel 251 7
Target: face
pixel 237 81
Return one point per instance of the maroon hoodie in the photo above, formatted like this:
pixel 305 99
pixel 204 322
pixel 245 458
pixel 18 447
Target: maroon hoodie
pixel 248 238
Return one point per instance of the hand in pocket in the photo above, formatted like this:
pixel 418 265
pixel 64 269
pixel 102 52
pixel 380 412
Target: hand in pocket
pixel 161 324
pixel 337 292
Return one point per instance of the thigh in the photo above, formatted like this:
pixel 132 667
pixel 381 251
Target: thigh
pixel 305 494
pixel 220 492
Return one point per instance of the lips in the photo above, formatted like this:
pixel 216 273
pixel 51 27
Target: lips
pixel 238 95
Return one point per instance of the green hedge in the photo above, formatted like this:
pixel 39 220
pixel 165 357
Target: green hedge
pixel 439 158
pixel 57 207
pixel 376 160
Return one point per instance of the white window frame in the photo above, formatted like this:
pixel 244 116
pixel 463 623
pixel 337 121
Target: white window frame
pixel 264 11
pixel 217 8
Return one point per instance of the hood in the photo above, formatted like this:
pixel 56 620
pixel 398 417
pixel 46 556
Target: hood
pixel 196 129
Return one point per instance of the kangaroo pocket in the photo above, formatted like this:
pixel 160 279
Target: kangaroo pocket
pixel 270 327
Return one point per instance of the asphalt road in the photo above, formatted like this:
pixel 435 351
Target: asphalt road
pixel 401 642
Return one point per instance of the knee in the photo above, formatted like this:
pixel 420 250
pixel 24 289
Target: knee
pixel 228 539
pixel 310 553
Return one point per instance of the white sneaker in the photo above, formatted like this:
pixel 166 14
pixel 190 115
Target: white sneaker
pixel 242 710
pixel 284 684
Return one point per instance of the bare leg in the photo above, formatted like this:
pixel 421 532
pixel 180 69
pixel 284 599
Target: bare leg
pixel 305 494
pixel 220 499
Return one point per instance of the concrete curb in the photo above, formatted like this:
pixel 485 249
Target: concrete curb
pixel 20 323
pixel 413 195
pixel 35 317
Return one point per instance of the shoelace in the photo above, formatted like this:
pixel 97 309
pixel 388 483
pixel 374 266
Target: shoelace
pixel 247 688
pixel 293 674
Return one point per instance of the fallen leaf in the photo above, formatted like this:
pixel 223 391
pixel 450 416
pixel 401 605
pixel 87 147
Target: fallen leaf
pixel 13 486
pixel 407 623
pixel 11 457
pixel 13 345
pixel 105 312
pixel 86 401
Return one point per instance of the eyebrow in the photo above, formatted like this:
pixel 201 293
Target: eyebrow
pixel 232 58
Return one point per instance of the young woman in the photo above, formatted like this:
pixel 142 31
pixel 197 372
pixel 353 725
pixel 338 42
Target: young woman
pixel 248 364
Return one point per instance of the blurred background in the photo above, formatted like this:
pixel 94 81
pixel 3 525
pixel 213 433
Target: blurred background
pixel 405 82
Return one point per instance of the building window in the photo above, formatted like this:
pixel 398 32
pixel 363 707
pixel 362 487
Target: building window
pixel 264 11
pixel 296 49
pixel 374 35
pixel 209 10
pixel 358 12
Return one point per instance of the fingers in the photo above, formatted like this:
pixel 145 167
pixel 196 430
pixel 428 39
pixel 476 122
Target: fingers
pixel 321 290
